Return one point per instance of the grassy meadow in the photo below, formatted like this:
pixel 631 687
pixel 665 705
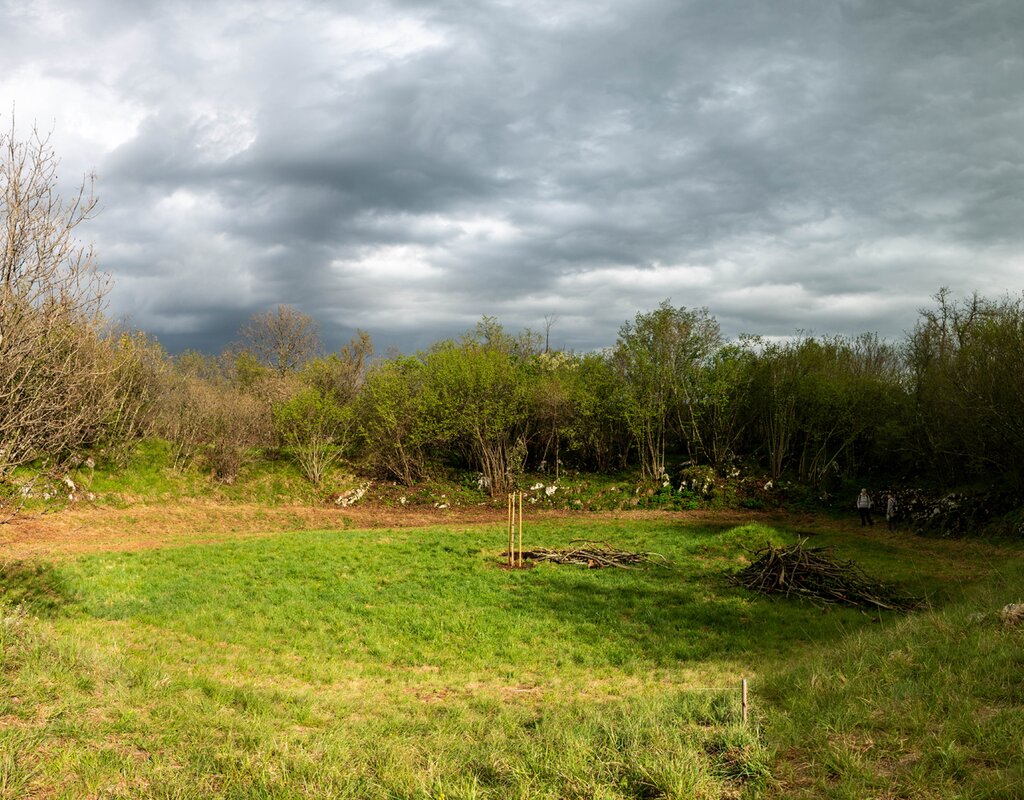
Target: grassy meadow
pixel 407 663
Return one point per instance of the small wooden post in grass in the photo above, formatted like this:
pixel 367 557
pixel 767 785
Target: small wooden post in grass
pixel 515 511
pixel 511 543
pixel 520 529
pixel 743 703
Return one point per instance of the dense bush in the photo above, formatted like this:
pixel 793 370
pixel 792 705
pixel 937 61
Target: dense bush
pixel 211 422
pixel 966 362
pixel 392 417
pixel 316 429
pixel 944 404
pixel 67 380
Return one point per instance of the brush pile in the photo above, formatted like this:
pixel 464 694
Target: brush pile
pixel 814 573
pixel 593 555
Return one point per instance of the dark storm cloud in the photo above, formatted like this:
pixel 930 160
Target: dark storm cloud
pixel 408 167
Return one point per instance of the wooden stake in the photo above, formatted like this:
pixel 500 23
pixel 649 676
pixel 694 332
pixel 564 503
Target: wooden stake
pixel 745 706
pixel 520 529
pixel 511 548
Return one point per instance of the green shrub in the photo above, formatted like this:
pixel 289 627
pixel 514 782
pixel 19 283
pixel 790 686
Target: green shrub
pixel 316 429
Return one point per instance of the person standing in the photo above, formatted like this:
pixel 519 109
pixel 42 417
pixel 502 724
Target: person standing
pixel 864 507
pixel 890 511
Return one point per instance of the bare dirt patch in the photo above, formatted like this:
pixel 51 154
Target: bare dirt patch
pixel 85 529
pixel 91 528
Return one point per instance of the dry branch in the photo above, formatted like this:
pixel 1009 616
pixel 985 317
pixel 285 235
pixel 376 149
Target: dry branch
pixel 66 380
pixel 814 573
pixel 593 555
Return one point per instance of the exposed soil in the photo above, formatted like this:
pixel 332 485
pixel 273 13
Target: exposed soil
pixel 90 528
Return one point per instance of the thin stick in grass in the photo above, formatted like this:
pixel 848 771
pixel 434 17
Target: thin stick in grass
pixel 511 548
pixel 520 529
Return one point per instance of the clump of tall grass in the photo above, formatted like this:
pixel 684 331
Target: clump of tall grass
pixel 930 705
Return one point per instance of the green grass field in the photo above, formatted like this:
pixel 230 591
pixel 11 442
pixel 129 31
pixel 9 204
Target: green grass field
pixel 407 664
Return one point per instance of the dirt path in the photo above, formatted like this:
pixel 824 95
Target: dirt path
pixel 86 528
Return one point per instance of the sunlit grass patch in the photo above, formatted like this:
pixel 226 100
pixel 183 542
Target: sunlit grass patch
pixel 407 663
pixel 929 705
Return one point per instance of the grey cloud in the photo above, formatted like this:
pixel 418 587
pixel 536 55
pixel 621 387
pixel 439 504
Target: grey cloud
pixel 827 165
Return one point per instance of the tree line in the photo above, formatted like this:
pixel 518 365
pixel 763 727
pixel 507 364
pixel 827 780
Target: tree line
pixel 944 403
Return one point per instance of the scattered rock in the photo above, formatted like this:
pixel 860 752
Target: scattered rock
pixel 952 514
pixel 1012 615
pixel 352 496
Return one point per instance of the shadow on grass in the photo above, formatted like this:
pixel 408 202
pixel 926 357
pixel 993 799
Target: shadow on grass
pixel 36 586
pixel 666 617
pixel 438 597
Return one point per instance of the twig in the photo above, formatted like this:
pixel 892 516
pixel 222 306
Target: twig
pixel 814 573
pixel 594 555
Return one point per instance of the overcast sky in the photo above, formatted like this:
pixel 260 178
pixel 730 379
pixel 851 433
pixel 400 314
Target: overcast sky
pixel 407 167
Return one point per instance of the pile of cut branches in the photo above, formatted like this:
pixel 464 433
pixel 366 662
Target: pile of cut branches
pixel 593 555
pixel 814 573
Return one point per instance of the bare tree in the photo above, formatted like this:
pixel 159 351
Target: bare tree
pixel 283 338
pixel 62 377
pixel 549 323
pixel 341 375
